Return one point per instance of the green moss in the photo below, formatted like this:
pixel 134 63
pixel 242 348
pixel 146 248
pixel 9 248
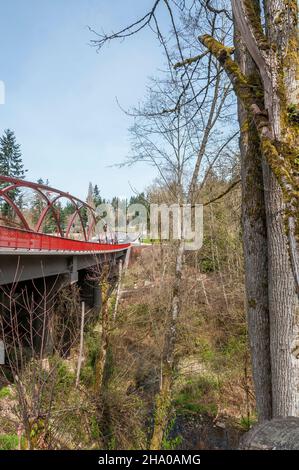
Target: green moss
pixel 245 126
pixel 223 54
pixel 248 89
pixel 215 46
pixel 5 392
pixel 291 58
pixel 37 428
pixel 9 442
pixel 280 158
pixel 253 14
pixel 163 404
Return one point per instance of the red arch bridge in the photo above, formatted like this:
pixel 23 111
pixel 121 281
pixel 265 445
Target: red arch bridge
pixel 27 252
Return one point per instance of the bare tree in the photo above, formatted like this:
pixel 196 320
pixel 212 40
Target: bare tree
pixel 180 132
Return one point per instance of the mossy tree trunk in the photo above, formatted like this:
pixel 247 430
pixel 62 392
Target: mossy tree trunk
pixel 104 335
pixel 282 307
pixel 168 362
pixel 255 244
pixel 104 362
pixel 281 23
pixel 275 53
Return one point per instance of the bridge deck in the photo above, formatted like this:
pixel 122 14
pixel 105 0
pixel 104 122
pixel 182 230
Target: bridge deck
pixel 28 255
pixel 16 241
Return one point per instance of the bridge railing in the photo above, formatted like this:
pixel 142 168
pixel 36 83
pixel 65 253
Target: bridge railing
pixel 15 239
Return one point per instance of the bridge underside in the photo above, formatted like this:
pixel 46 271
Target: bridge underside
pixel 30 285
pixel 21 266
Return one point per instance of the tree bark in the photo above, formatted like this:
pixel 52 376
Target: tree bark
pixel 271 51
pixel 254 245
pixel 281 23
pixel 275 53
pixel 283 304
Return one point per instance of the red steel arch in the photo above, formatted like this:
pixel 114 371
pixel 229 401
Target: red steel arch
pixel 44 191
pixel 32 239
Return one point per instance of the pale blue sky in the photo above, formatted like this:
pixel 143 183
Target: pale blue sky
pixel 61 94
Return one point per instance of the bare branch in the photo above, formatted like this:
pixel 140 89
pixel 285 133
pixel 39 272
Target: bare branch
pixel 218 10
pixel 228 190
pixel 126 32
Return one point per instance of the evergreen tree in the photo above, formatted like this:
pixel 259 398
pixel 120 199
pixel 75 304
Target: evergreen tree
pixel 86 216
pixel 11 164
pixel 140 199
pixel 97 196
pixel 11 156
pixel 90 193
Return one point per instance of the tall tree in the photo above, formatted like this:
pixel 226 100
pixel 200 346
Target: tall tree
pixel 11 164
pixel 184 146
pixel 272 106
pixel 97 199
pixel 255 242
pixel 89 199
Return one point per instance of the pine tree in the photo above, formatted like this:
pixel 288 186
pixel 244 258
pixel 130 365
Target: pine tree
pixel 86 215
pixel 11 164
pixel 97 196
pixel 89 199
pixel 11 156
